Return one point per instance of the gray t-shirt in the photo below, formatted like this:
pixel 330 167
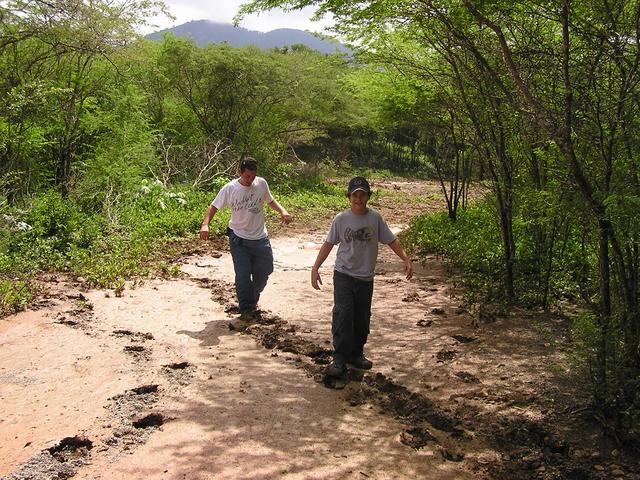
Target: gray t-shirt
pixel 358 237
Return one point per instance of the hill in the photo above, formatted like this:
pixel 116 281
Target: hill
pixel 203 32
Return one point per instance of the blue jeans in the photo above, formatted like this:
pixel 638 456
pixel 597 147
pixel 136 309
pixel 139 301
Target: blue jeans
pixel 253 263
pixel 351 316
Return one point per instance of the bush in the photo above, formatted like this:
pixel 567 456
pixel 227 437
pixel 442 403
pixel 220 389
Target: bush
pixel 586 335
pixel 472 243
pixel 614 382
pixel 61 224
pixel 158 212
pixel 59 235
pixel 15 295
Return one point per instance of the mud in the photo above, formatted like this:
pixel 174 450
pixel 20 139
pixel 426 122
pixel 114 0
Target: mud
pixel 60 461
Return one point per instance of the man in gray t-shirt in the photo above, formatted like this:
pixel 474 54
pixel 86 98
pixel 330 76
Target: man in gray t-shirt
pixel 357 237
pixel 357 232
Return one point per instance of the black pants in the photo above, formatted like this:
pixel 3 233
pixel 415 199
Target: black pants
pixel 351 316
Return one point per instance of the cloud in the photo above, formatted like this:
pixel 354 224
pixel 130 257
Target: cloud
pixel 225 10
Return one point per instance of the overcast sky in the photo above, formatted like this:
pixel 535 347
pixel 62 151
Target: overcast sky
pixel 224 11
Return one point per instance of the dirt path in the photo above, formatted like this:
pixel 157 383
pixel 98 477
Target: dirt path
pixel 161 382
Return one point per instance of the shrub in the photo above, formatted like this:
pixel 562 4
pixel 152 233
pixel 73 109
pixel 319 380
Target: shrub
pixel 15 295
pixel 472 243
pixel 60 223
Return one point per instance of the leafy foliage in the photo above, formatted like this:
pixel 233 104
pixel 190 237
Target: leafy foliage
pixel 14 296
pixel 472 243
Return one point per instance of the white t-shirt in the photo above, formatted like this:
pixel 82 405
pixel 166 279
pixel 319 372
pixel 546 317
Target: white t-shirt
pixel 247 207
pixel 358 236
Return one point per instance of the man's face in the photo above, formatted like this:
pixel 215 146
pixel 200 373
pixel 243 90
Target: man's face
pixel 359 201
pixel 247 176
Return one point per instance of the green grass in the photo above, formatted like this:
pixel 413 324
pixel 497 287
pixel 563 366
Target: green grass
pixel 308 206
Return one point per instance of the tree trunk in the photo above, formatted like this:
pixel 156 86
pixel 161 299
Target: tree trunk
pixel 605 304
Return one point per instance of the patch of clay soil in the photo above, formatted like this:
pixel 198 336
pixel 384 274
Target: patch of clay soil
pixel 165 382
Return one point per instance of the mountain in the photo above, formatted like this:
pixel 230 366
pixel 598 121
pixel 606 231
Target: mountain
pixel 203 32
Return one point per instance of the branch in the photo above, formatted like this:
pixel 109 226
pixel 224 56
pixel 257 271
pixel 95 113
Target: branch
pixel 511 66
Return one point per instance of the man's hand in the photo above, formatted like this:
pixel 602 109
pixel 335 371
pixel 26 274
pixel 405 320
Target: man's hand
pixel 204 232
pixel 286 218
pixel 316 281
pixel 206 221
pixel 397 249
pixel 408 268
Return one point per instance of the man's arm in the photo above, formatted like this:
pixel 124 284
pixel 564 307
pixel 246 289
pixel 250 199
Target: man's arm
pixel 204 228
pixel 325 249
pixel 397 249
pixel 284 215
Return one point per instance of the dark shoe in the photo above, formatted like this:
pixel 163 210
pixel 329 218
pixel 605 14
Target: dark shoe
pixel 247 315
pixel 361 363
pixel 336 370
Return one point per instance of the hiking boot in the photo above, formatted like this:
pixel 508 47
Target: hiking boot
pixel 361 363
pixel 336 370
pixel 247 315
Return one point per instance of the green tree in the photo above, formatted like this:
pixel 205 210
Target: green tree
pixel 59 50
pixel 246 100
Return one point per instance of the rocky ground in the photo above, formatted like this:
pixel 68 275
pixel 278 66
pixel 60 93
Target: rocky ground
pixel 161 380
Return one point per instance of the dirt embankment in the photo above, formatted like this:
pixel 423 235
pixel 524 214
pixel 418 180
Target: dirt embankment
pixel 163 382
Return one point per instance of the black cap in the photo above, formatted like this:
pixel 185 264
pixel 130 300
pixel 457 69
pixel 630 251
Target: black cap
pixel 249 163
pixel 359 183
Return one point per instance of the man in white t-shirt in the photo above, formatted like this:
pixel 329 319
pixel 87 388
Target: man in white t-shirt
pixel 357 232
pixel 248 241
